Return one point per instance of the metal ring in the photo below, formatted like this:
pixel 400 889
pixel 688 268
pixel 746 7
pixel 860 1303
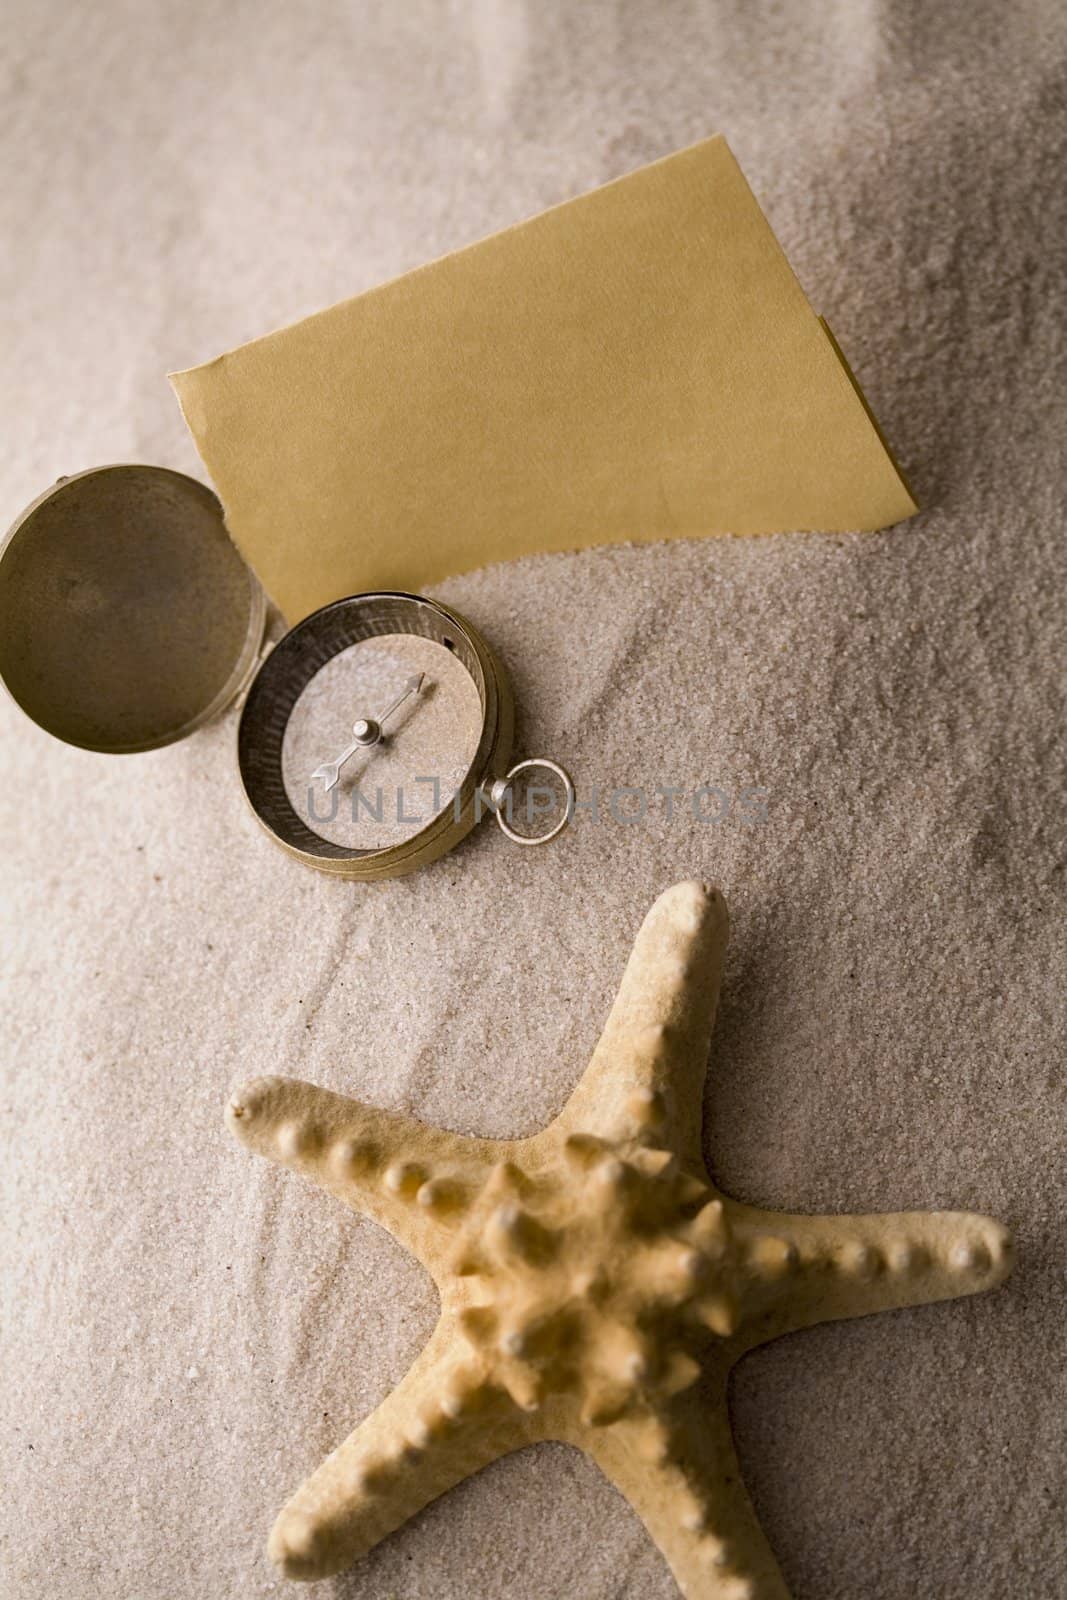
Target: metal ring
pixel 502 785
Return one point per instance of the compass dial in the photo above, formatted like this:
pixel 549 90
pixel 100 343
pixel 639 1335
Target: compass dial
pixel 372 732
pixel 428 714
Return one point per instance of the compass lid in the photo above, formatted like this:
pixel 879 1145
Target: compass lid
pixel 127 617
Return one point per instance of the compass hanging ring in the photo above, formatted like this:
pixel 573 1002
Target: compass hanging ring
pixel 501 793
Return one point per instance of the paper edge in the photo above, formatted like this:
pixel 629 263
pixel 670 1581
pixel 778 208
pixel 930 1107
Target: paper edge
pixel 873 420
pixel 462 250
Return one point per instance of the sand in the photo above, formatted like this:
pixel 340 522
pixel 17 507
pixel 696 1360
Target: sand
pixel 186 1331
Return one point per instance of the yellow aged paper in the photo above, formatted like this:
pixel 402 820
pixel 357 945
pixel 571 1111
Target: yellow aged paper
pixel 639 363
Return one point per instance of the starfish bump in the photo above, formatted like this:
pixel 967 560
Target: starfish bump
pixel 595 1287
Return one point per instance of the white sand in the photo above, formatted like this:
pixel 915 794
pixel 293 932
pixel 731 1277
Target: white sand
pixel 185 1332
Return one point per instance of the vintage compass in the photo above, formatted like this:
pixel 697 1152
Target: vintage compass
pixel 378 731
pixel 374 734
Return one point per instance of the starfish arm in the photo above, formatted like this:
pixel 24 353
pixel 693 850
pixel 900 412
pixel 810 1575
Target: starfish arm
pixel 647 1071
pixel 683 1479
pixel 439 1426
pixel 808 1269
pixel 414 1180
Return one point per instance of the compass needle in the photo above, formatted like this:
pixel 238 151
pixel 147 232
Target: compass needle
pixel 329 772
pixel 412 687
pixel 368 732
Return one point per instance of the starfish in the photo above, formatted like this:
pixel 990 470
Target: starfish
pixel 595 1286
